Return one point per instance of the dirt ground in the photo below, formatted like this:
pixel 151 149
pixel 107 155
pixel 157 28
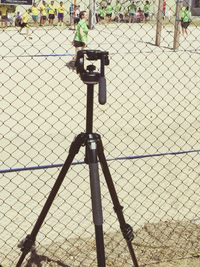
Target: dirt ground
pixel 191 262
pixel 166 244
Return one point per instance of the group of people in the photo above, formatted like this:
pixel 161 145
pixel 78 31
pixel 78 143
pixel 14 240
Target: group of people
pixel 45 12
pixel 40 14
pixel 81 35
pixel 121 13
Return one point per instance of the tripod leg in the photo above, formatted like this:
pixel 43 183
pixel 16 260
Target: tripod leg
pixel 126 229
pixel 91 160
pixel 30 239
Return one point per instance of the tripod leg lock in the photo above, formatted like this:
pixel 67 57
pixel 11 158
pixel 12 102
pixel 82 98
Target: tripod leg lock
pixel 26 244
pixel 127 232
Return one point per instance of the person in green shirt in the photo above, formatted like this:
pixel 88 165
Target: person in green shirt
pixel 109 11
pixel 117 10
pixel 185 19
pixel 132 11
pixel 146 10
pixel 101 13
pixel 81 35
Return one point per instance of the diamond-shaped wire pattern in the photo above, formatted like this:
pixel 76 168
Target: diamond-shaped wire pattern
pixel 149 126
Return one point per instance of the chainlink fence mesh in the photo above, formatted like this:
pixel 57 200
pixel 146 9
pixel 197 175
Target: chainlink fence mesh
pixel 149 126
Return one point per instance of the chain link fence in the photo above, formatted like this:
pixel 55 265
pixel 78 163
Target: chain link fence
pixel 150 129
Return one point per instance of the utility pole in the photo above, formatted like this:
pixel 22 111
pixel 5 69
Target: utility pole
pixel 159 22
pixel 177 24
pixel 92 14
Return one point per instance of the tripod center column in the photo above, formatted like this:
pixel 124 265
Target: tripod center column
pixel 90 107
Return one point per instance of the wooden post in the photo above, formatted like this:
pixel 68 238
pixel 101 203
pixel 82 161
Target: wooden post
pixel 177 24
pixel 159 22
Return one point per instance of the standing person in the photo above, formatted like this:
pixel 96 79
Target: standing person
pixel 117 11
pixel 35 14
pixel 52 12
pixel 71 13
pixel 10 19
pixel 61 10
pixel 18 19
pixel 109 11
pixel 81 35
pixel 76 16
pixel 169 14
pixel 185 20
pixel 164 8
pixel 132 11
pixel 43 13
pixel 101 13
pixel 146 10
pixel 24 22
pixel 4 13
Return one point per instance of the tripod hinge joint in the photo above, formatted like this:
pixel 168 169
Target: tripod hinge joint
pixel 79 141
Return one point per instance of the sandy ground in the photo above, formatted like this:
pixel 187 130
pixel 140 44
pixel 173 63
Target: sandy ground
pixel 153 107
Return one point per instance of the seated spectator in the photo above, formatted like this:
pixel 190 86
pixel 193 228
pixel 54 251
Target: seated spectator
pixel 126 17
pixel 109 11
pixel 139 15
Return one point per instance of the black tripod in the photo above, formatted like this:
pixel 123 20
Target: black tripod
pixel 93 153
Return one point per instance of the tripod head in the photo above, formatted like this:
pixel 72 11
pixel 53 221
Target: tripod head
pixel 89 75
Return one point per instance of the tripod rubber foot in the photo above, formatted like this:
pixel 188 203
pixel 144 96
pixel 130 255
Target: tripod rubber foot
pixel 127 232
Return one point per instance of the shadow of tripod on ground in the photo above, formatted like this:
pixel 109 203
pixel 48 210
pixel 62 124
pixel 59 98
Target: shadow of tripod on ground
pixel 37 260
